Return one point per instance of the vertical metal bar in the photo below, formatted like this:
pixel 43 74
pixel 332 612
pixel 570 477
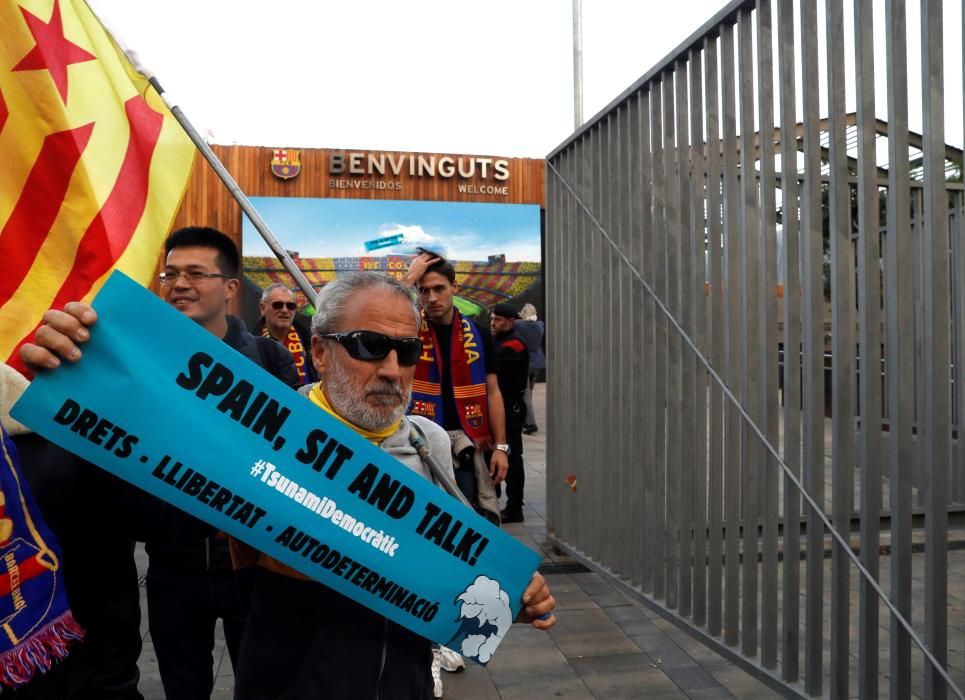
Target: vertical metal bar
pixel 582 327
pixel 585 328
pixel 659 267
pixel 609 448
pixel 714 237
pixel 648 139
pixel 637 230
pixel 842 349
pixel 685 314
pixel 567 352
pixel 627 348
pixel 790 607
pixel 960 313
pixel 557 380
pixel 670 296
pixel 813 350
pixel 921 394
pixel 751 449
pixel 768 335
pixel 698 267
pixel 869 305
pixel 557 384
pixel 599 283
pixel 566 387
pixel 731 209
pixel 555 224
pixel 935 426
pixel 618 405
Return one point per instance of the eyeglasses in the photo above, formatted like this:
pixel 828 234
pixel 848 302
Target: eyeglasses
pixel 192 276
pixel 371 346
pixel 279 305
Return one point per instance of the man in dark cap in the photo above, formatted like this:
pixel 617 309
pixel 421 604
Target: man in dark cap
pixel 512 372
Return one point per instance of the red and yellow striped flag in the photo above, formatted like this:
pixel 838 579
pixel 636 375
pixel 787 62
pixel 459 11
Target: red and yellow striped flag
pixel 92 164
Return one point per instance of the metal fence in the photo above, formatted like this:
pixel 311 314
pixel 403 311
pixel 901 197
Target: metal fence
pixel 675 465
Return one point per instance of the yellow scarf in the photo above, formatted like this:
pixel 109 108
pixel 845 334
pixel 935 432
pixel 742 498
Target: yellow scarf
pixel 317 397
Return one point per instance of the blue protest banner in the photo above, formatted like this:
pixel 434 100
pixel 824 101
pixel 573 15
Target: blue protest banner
pixel 178 413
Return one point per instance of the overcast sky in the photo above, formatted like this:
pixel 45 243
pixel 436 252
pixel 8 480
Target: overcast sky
pixel 445 76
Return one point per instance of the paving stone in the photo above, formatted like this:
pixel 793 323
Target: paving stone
pixel 654 642
pixel 528 655
pixel 590 633
pixel 624 676
pixel 608 600
pixel 690 677
pixel 571 597
pixel 672 656
pixel 637 627
pixel 592 584
pixel 474 683
pixel 740 684
pixel 570 688
pixel 625 612
pixel 710 693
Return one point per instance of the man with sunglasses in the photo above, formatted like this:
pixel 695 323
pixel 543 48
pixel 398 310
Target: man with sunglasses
pixel 317 642
pixel 190 580
pixel 279 321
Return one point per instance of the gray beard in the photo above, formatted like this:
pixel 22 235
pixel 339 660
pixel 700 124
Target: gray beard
pixel 351 403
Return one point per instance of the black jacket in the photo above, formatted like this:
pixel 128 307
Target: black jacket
pixel 512 367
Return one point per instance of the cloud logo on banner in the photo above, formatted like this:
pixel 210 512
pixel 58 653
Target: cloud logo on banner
pixel 486 617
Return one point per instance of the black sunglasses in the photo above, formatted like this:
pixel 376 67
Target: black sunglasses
pixel 278 305
pixel 371 346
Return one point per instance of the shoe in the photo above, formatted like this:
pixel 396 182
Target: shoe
pixel 451 661
pixel 530 429
pixel 436 674
pixel 511 515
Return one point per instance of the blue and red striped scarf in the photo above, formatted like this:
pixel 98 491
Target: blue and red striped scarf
pixel 36 625
pixel 467 364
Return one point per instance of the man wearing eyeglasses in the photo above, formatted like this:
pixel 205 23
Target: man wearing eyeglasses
pixel 190 580
pixel 303 639
pixel 279 321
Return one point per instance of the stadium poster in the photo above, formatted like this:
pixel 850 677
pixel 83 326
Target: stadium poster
pixel 494 247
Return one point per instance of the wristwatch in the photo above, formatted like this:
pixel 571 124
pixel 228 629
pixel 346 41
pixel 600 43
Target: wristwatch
pixel 503 448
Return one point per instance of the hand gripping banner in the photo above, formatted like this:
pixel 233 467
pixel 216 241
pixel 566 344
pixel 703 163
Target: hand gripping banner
pixel 181 415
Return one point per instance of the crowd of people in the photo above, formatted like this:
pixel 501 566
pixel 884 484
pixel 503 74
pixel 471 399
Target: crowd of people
pixel 467 392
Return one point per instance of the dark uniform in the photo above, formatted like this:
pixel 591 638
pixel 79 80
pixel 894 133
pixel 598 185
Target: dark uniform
pixel 512 371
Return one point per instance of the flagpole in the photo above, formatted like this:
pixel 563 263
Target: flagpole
pixel 235 191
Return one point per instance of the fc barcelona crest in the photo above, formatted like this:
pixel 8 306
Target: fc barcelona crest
pixel 286 163
pixel 474 415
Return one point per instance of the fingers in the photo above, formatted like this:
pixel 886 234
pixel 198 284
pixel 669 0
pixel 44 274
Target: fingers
pixel 36 358
pixel 539 603
pixel 498 466
pixel 59 336
pixel 82 312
